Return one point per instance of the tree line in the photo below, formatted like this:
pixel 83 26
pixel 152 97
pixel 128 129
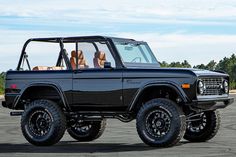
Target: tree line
pixel 2 82
pixel 227 64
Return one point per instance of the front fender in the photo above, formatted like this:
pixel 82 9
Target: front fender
pixel 169 84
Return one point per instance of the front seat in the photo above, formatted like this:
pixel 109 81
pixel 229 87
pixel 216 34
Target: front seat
pixel 81 60
pixel 99 59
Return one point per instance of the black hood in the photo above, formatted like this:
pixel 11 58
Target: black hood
pixel 197 72
pixel 201 72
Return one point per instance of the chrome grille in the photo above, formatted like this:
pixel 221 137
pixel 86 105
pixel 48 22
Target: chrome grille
pixel 213 86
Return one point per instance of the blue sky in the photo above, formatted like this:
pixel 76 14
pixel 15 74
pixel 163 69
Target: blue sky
pixel 195 30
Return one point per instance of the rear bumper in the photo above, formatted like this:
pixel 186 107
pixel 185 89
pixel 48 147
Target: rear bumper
pixel 10 99
pixel 212 104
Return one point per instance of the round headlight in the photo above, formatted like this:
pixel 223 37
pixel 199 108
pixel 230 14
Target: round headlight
pixel 201 87
pixel 226 86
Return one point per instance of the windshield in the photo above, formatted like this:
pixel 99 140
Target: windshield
pixel 135 52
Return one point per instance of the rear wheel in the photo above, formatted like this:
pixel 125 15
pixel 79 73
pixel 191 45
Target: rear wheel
pixel 160 123
pixel 43 123
pixel 86 130
pixel 202 127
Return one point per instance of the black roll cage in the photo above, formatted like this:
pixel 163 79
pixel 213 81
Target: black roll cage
pixel 63 55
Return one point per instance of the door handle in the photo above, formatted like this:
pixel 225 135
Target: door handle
pixel 77 71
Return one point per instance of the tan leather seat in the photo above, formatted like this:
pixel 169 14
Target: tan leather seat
pixel 99 59
pixel 41 68
pixel 81 60
pixel 57 68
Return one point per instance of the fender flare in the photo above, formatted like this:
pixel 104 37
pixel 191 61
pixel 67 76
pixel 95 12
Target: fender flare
pixel 44 84
pixel 169 84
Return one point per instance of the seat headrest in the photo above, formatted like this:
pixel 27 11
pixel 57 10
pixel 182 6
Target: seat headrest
pixel 101 55
pixel 80 54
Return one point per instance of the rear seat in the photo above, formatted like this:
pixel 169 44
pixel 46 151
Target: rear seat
pixel 39 68
pixel 57 68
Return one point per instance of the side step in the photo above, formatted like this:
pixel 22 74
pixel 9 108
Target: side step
pixel 16 113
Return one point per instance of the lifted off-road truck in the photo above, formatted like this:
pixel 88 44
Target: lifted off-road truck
pixel 90 79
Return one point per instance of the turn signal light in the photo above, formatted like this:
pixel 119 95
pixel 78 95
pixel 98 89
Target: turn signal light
pixel 186 86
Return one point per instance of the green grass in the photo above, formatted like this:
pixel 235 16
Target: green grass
pixel 232 85
pixel 2 82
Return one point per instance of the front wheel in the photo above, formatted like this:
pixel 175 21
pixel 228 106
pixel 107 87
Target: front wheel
pixel 160 123
pixel 86 130
pixel 203 126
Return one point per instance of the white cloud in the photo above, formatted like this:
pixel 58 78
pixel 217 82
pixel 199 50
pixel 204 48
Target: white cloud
pixel 148 11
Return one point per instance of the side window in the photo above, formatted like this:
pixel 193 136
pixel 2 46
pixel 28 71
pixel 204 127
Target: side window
pixel 90 55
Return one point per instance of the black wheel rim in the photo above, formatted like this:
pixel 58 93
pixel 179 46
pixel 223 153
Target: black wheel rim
pixel 198 124
pixel 158 123
pixel 81 127
pixel 40 122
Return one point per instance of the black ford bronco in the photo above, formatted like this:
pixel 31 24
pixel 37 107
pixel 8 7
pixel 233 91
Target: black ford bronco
pixel 106 77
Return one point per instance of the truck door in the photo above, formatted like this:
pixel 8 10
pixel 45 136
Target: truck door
pixel 95 86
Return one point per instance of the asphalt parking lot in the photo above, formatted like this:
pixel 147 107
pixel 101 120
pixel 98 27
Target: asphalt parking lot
pixel 119 139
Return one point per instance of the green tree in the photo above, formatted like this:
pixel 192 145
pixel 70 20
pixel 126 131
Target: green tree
pixel 229 66
pixel 185 64
pixel 2 82
pixel 176 64
pixel 201 66
pixel 211 65
pixel 164 64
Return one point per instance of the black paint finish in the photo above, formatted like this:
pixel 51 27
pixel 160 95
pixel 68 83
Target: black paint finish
pixel 102 87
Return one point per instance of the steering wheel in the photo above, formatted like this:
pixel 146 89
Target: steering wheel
pixel 136 59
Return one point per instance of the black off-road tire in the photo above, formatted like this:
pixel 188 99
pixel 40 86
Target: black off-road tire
pixel 175 117
pixel 95 131
pixel 55 127
pixel 208 132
